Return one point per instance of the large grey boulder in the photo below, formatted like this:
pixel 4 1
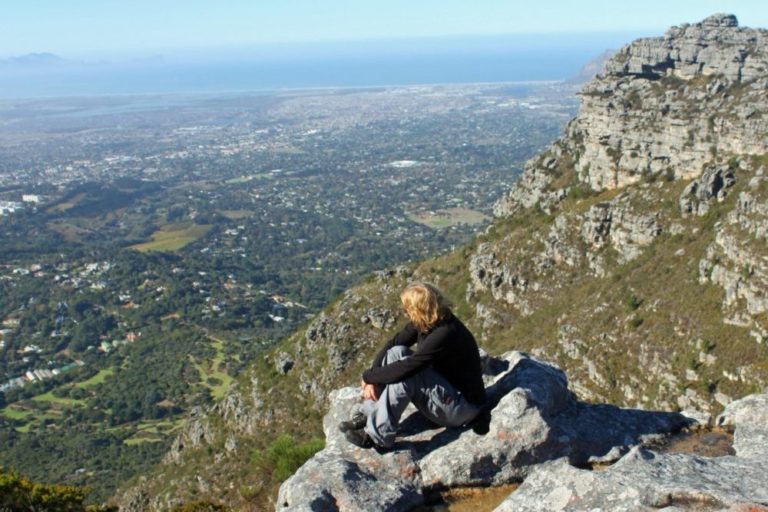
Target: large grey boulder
pixel 535 418
pixel 644 480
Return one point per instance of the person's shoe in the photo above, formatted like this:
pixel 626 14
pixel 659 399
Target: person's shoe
pixel 356 422
pixel 359 438
pixel 481 425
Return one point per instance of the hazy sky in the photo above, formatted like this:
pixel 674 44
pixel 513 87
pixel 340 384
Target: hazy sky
pixel 82 28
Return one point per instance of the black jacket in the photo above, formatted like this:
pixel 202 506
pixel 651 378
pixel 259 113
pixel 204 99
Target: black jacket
pixel 449 348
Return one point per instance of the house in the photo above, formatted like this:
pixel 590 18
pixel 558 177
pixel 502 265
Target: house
pixel 11 322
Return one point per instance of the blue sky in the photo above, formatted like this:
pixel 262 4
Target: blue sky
pixel 104 28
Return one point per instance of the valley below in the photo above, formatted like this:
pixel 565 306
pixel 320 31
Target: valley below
pixel 153 247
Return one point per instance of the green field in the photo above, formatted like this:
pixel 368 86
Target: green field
pixel 140 440
pixel 50 398
pixel 449 217
pixel 153 431
pixel 96 379
pixel 14 413
pixel 68 205
pixel 173 237
pixel 214 371
pixel 29 417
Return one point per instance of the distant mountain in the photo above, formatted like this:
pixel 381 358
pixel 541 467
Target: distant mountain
pixel 34 60
pixel 592 68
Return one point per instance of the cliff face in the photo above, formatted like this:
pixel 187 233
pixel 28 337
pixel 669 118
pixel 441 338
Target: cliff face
pixel 666 105
pixel 632 254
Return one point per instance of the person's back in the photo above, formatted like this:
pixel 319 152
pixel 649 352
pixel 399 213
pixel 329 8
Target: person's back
pixel 460 362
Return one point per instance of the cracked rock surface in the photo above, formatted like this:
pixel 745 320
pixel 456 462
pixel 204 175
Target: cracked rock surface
pixel 535 419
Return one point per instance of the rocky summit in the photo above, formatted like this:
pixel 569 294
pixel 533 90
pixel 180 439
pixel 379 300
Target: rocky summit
pixel 535 418
pixel 630 256
pixel 541 434
pixel 667 105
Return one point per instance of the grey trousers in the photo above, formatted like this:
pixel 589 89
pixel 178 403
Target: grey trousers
pixel 429 391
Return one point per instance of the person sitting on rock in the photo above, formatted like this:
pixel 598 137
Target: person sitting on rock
pixel 442 377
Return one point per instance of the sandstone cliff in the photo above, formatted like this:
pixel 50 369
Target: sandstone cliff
pixel 632 254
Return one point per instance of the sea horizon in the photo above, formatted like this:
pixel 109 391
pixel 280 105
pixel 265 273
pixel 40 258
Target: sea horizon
pixel 490 60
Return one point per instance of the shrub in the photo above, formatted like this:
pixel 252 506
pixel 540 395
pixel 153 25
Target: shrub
pixel 20 493
pixel 577 192
pixel 633 302
pixel 284 456
pixel 199 506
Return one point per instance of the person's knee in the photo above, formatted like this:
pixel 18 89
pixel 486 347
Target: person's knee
pixel 397 390
pixel 397 352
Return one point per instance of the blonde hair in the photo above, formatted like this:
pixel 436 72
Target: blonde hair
pixel 425 305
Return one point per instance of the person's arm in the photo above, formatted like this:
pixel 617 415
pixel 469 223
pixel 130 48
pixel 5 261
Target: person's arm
pixel 430 349
pixel 406 337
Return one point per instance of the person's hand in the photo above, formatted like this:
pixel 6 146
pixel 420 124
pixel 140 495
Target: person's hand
pixel 370 392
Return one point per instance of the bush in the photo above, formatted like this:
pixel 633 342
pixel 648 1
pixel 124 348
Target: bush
pixel 284 456
pixel 577 192
pixel 633 302
pixel 19 493
pixel 199 506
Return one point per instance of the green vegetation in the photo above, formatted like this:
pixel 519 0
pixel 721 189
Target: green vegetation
pixel 633 303
pixel 97 379
pixel 285 455
pixel 67 204
pixel 199 506
pixel 50 397
pixel 173 237
pixel 213 375
pixel 14 413
pixel 18 493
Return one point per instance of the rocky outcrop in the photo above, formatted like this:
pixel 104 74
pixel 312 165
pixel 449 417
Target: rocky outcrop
pixel 534 186
pixel 503 281
pixel 713 184
pixel 645 480
pixel 283 362
pixel 616 224
pixel 380 318
pixel 535 418
pixel 195 433
pixel 715 46
pixel 666 106
pixel 736 260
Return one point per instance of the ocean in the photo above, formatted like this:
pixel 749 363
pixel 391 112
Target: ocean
pixel 475 60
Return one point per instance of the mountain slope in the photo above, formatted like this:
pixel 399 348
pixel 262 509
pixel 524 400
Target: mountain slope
pixel 632 253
